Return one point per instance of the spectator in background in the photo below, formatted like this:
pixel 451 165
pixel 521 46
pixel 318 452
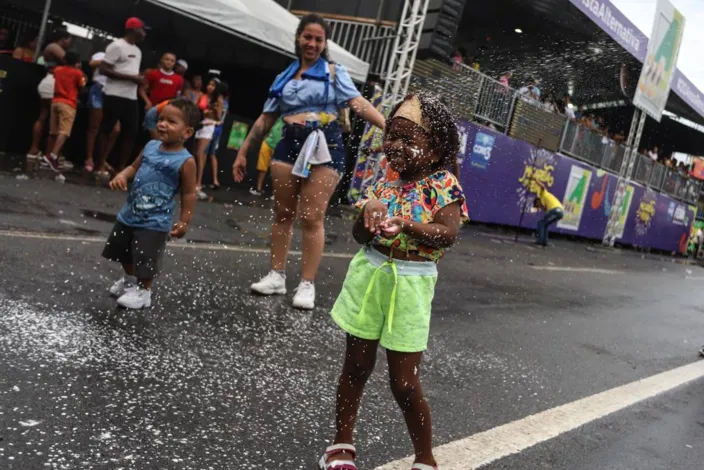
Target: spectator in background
pixel 214 145
pixel 195 91
pixel 567 108
pixel 212 105
pixel 5 41
pixel 53 55
pixel 505 79
pixel 266 151
pixel 458 57
pixel 653 153
pixel 25 51
pixel 68 82
pixel 554 212
pixel 162 84
pixel 181 68
pixel 95 113
pixel 121 65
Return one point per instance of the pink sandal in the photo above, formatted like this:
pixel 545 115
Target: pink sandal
pixel 338 464
pixel 422 466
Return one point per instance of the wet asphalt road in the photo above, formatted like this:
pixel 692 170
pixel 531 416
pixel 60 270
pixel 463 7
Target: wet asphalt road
pixel 212 377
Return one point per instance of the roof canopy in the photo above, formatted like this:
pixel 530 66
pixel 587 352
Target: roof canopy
pixel 264 22
pixel 255 33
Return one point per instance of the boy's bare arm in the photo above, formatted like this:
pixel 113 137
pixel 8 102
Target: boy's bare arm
pixel 188 191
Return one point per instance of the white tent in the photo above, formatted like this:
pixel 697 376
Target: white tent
pixel 264 22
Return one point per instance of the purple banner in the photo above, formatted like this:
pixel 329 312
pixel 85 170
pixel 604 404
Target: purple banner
pixel 499 176
pixel 615 24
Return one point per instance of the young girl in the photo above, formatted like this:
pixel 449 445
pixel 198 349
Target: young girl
pixel 143 225
pixel 213 106
pixel 386 298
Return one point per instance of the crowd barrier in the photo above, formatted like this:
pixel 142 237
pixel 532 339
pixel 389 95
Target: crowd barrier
pixel 499 174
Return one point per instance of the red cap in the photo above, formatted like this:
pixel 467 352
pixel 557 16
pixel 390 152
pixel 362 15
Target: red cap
pixel 135 23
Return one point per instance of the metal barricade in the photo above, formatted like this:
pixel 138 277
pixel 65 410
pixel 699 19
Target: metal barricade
pixel 580 142
pixel 657 176
pixel 690 190
pixel 673 183
pixel 369 42
pixel 494 100
pixel 643 169
pixel 614 158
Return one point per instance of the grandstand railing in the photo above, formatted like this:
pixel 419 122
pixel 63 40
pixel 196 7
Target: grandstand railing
pixel 370 41
pixel 581 143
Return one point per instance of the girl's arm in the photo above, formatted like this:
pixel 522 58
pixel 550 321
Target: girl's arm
pixel 259 131
pixel 441 233
pixel 188 198
pixel 361 106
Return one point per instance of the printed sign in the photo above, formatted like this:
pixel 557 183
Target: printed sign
pixel 575 197
pixel 625 207
pixel 238 133
pixel 481 151
pixel 660 60
pixel 680 215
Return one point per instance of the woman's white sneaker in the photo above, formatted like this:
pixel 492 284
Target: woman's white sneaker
pixel 120 287
pixel 273 283
pixel 305 296
pixel 136 299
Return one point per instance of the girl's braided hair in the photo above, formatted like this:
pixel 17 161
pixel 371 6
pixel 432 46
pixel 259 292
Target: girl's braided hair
pixel 445 138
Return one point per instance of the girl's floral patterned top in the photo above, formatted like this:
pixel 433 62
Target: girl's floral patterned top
pixel 417 201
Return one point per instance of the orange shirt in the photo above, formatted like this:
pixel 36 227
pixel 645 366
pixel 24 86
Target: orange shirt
pixel 69 81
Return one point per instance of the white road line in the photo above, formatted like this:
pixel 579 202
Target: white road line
pixel 694 278
pixel 577 270
pixel 194 246
pixel 512 438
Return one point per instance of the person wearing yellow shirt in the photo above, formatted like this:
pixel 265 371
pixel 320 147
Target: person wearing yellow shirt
pixel 553 212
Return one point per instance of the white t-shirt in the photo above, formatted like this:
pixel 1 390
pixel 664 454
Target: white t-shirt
pixel 569 112
pixel 125 58
pixel 97 76
pixel 653 155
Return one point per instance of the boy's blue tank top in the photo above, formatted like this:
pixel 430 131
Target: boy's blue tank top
pixel 151 201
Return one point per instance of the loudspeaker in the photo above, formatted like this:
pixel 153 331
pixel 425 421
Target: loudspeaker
pixel 441 24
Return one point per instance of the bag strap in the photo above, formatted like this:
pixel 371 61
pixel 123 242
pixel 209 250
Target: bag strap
pixel 333 73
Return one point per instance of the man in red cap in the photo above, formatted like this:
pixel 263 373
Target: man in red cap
pixel 121 66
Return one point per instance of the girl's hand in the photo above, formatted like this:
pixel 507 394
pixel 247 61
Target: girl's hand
pixel 392 227
pixel 119 183
pixel 375 212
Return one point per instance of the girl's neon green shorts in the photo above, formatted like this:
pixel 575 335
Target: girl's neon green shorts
pixel 389 301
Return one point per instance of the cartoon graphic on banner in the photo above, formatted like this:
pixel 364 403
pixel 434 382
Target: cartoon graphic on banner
pixel 646 212
pixel 367 169
pixel 575 197
pixel 627 199
pixel 660 60
pixel 481 151
pixel 539 168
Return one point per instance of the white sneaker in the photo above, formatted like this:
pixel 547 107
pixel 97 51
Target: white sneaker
pixel 32 158
pixel 305 296
pixel 201 195
pixel 136 299
pixel 120 287
pixel 254 192
pixel 64 164
pixel 273 283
